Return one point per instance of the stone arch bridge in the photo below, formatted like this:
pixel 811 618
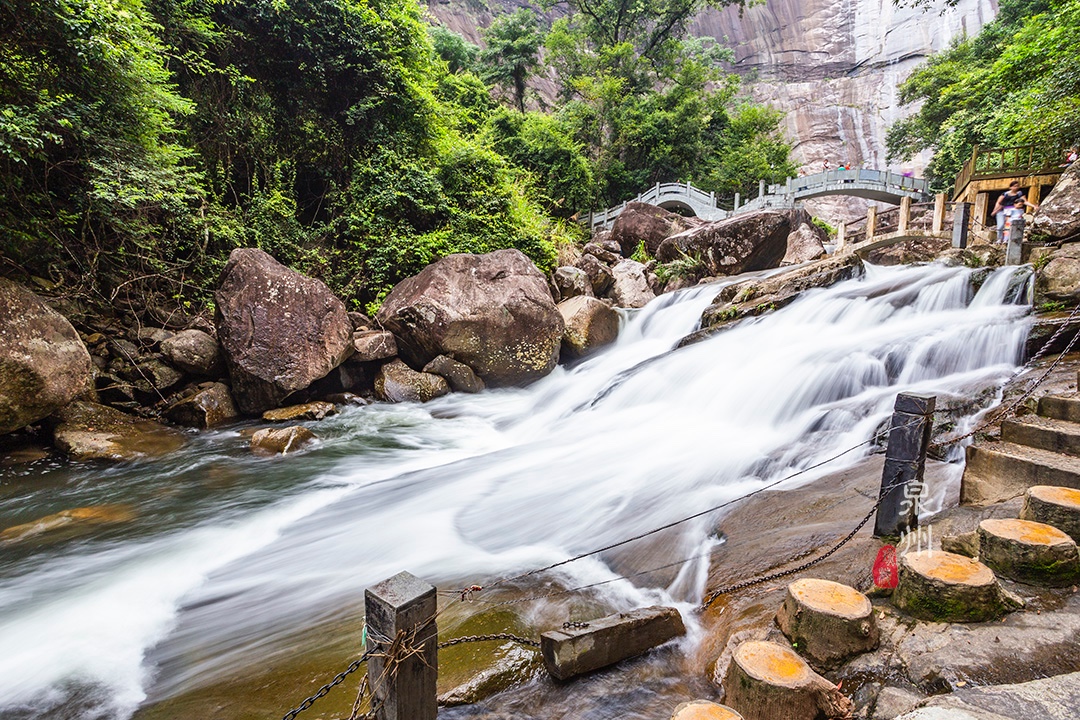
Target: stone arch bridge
pixel 880 185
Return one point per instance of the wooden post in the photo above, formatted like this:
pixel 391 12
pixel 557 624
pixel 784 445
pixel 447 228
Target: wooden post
pixel 939 212
pixel 905 215
pixel 1014 250
pixel 871 222
pixel 841 233
pixel 905 460
pixel 982 200
pixel 403 688
pixel 961 218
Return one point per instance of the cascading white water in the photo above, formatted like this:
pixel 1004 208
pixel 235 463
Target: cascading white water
pixel 232 554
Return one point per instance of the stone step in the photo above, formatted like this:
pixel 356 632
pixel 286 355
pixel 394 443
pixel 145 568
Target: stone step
pixel 998 471
pixel 1060 407
pixel 1060 436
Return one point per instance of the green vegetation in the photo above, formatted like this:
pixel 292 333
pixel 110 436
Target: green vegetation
pixel 142 140
pixel 1016 83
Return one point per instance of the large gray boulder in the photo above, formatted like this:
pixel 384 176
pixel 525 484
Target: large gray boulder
pixel 397 382
pixel 1058 217
pixel 571 282
pixel 43 363
pixel 805 243
pixel 279 330
pixel 1059 278
pixel 590 325
pixel 631 289
pixel 599 274
pixel 492 312
pixel 750 241
pixel 643 223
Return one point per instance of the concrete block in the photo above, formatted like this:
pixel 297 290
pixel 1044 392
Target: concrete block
pixel 603 642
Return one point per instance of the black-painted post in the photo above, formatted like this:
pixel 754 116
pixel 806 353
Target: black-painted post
pixel 402 686
pixel 905 461
pixel 961 218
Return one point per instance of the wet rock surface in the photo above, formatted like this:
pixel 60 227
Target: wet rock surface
pixel 459 376
pixel 307 411
pixel 397 382
pixel 43 362
pixel 281 441
pixel 210 406
pixel 88 431
pixel 492 312
pixel 590 325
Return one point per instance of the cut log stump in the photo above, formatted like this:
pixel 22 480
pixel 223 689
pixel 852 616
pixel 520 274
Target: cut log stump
pixel 940 586
pixel 1029 552
pixel 827 622
pixel 704 710
pixel 766 681
pixel 1057 506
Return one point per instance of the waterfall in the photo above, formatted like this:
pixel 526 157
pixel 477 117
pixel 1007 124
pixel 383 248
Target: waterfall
pixel 231 555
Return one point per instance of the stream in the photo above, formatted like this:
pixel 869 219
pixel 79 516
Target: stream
pixel 230 582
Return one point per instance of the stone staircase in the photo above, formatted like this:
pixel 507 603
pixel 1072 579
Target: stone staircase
pixel 1040 449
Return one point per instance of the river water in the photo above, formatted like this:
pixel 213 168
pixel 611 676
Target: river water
pixel 226 562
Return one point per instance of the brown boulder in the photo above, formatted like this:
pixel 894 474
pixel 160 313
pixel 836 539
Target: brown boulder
pixel 1058 217
pixel 210 407
pixel 459 376
pixel 195 352
pixel 279 330
pixel 43 362
pixel 397 382
pixel 599 274
pixel 88 431
pixel 571 282
pixel 373 345
pixel 492 312
pixel 590 324
pixel 631 288
pixel 1059 278
pixel 281 441
pixel 308 411
pixel 750 241
pixel 643 223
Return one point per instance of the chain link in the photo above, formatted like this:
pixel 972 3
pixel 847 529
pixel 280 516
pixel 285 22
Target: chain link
pixel 338 679
pixel 485 638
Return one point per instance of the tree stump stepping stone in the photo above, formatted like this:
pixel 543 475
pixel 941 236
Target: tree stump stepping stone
pixel 1057 506
pixel 828 622
pixel 767 681
pixel 704 710
pixel 1029 552
pixel 943 587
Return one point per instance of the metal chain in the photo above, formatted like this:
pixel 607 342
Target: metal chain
pixel 805 566
pixel 338 679
pixel 1000 415
pixel 485 638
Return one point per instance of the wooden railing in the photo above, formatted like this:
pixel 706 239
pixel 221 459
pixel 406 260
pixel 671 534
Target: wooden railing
pixel 996 162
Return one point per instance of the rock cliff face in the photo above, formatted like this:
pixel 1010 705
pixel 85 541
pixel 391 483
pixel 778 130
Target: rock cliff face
pixel 834 66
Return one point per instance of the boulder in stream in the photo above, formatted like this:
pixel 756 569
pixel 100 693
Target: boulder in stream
pixel 88 431
pixel 43 362
pixel 492 312
pixel 279 330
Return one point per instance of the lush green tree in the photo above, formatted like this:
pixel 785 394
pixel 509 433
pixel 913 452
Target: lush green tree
pixel 1013 84
pixel 513 52
pixel 458 53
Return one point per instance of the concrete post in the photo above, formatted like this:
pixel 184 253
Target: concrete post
pixel 760 188
pixel 737 201
pixel 871 222
pixel 712 198
pixel 939 212
pixel 1013 252
pixel 905 461
pixel 403 604
pixel 961 219
pixel 841 235
pixel 905 214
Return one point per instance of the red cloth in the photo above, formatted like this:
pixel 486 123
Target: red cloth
pixel 885 574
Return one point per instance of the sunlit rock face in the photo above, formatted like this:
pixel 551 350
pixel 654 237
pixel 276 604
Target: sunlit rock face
pixel 834 65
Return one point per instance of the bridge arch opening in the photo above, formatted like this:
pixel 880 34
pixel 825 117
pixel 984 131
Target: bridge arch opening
pixel 678 207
